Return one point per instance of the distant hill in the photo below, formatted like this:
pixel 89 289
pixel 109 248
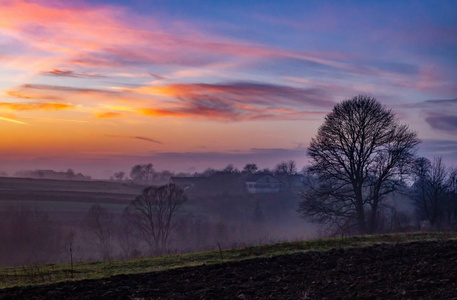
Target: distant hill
pixel 51 174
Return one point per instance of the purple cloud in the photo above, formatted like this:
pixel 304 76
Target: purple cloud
pixel 443 122
pixel 68 73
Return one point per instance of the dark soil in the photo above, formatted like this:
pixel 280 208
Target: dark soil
pixel 419 270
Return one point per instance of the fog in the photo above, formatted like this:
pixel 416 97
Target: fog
pixel 63 216
pixel 45 219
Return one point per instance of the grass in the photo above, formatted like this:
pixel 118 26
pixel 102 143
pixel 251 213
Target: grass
pixel 52 273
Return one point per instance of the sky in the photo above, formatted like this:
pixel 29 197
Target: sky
pixel 98 86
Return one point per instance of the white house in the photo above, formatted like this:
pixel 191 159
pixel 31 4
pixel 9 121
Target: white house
pixel 264 183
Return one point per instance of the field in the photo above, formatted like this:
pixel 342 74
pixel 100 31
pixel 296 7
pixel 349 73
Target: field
pixel 405 265
pixel 324 255
pixel 58 195
pixel 66 201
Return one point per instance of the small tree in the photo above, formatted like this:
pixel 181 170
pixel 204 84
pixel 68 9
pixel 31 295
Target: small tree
pixel 250 169
pixel 287 169
pixel 144 173
pixel 100 223
pixel 360 155
pixel 452 197
pixel 154 214
pixel 70 173
pixel 119 176
pixel 431 193
pixel 230 169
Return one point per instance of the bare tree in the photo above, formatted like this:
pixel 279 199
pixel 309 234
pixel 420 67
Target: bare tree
pixel 359 156
pixel 128 238
pixel 431 191
pixel 208 172
pixel 452 197
pixel 143 173
pixel 230 169
pixel 100 223
pixel 119 176
pixel 70 173
pixel 250 169
pixel 154 214
pixel 287 169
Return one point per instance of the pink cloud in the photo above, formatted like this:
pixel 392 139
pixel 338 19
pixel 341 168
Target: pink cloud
pixel 238 101
pixel 34 106
pixel 96 36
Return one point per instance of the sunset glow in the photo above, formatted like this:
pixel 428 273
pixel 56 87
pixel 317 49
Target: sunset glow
pixel 98 86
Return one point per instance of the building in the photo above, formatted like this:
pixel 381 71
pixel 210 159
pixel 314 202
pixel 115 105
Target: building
pixel 263 183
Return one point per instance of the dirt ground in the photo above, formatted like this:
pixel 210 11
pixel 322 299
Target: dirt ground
pixel 419 270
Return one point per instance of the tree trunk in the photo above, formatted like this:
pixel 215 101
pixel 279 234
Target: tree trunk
pixel 360 212
pixel 374 218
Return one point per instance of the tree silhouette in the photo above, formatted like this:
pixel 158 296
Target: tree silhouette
pixel 101 224
pixel 250 169
pixel 360 155
pixel 287 169
pixel 143 173
pixel 432 192
pixel 153 213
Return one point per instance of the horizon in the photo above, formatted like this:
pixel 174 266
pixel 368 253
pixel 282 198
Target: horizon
pixel 101 86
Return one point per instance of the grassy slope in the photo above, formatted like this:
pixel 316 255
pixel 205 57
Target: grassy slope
pixel 45 274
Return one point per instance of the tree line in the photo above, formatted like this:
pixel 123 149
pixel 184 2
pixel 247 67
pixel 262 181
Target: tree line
pixel 147 174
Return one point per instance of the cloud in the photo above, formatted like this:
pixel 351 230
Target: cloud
pixel 64 89
pixel 142 138
pixel 442 101
pixel 62 73
pixel 12 121
pixel 447 149
pixel 146 139
pixel 109 115
pixel 233 101
pixel 158 77
pixel 24 95
pixel 99 35
pixel 35 106
pixel 237 101
pixel 259 93
pixel 443 122
pixel 67 93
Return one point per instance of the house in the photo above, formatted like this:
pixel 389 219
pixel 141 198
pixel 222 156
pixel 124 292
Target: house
pixel 238 184
pixel 216 184
pixel 263 183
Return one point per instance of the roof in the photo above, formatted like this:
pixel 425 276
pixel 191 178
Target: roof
pixel 262 177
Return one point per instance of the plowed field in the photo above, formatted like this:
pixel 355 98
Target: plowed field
pixel 419 270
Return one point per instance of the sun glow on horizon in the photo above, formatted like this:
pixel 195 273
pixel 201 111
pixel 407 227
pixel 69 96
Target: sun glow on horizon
pixel 125 79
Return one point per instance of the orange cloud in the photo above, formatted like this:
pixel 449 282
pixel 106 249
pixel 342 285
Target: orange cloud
pixel 153 112
pixel 12 121
pixel 236 101
pixel 83 96
pixel 28 95
pixel 108 115
pixel 35 106
pixel 242 93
